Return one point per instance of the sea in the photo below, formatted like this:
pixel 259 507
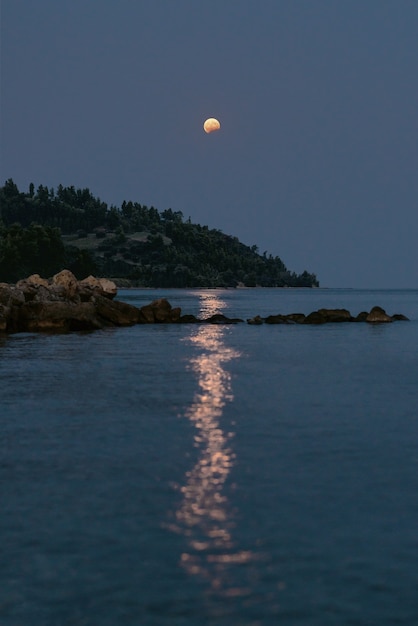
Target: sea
pixel 213 475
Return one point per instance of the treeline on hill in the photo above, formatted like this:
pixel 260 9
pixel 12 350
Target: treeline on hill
pixel 45 230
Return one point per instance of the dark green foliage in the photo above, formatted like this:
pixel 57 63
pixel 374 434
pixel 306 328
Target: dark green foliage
pixel 24 251
pixel 151 248
pixel 80 262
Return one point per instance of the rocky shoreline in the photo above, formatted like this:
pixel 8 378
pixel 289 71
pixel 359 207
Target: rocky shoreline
pixel 63 304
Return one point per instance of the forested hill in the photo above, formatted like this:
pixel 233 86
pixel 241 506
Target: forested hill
pixel 44 230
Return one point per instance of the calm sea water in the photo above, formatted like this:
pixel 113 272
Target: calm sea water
pixel 213 475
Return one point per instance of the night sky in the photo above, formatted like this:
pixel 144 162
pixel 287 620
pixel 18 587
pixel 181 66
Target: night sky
pixel 317 157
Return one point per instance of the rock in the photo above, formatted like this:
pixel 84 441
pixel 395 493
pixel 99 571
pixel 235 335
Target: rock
pixel 398 317
pixel 4 317
pixel 361 317
pixel 255 321
pixel 189 319
pixel 160 312
pixel 315 318
pixel 5 293
pixel 175 314
pixel 36 304
pixel 378 315
pixel 218 318
pixel 46 294
pixel 297 318
pixel 57 316
pixel 116 313
pixel 147 314
pixel 28 290
pixel 31 284
pixel 109 288
pixel 91 285
pixel 324 316
pixel 336 315
pixel 36 280
pixel 88 287
pixel 90 281
pixel 10 295
pixel 68 282
pixel 276 319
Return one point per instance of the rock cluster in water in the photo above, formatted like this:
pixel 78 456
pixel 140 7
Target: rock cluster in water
pixel 376 315
pixel 62 303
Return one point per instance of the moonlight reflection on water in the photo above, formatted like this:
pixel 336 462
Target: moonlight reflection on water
pixel 205 516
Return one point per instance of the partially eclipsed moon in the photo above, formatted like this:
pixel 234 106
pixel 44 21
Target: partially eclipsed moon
pixel 210 125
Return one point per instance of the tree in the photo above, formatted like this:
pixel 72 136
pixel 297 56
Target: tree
pixel 25 251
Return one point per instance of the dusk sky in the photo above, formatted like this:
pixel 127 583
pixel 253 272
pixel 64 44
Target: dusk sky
pixel 316 160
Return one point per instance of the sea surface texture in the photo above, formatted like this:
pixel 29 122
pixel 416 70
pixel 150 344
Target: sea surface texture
pixel 209 475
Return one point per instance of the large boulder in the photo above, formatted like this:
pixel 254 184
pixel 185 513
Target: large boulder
pixel 92 285
pixel 56 316
pixel 114 313
pixel 68 282
pixel 159 312
pixel 88 287
pixel 378 315
pixel 109 288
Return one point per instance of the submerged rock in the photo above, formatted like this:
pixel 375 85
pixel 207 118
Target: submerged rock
pixel 219 318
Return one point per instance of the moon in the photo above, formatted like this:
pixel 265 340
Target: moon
pixel 211 125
